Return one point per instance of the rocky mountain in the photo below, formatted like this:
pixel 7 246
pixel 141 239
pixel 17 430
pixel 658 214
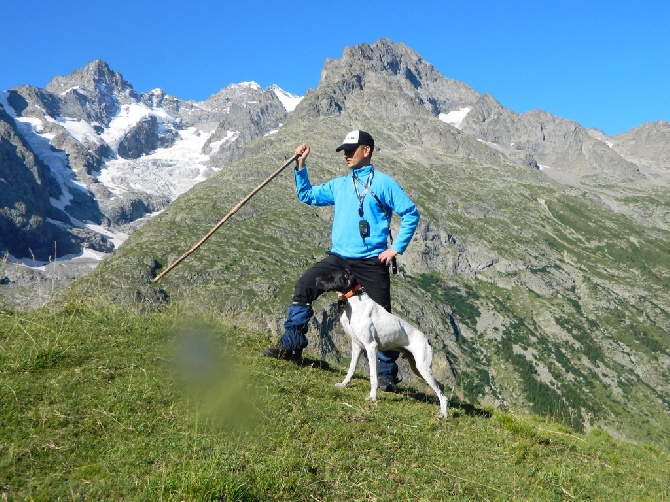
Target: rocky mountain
pixel 88 154
pixel 539 270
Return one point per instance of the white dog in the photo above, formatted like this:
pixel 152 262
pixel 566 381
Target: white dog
pixel 372 328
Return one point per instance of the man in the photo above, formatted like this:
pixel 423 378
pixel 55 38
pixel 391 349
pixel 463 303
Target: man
pixel 364 201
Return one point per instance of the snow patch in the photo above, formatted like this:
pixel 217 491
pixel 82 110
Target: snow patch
pixel 249 85
pixel 167 172
pixel 290 101
pixel 78 129
pixel 455 117
pixel 32 130
pixel 490 143
pixel 127 118
pixel 71 89
pixel 86 255
pixel 117 238
pixel 230 136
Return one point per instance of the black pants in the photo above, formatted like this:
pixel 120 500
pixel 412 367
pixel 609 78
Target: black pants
pixel 372 274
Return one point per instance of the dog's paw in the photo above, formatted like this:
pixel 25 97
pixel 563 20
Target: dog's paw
pixel 341 384
pixel 371 398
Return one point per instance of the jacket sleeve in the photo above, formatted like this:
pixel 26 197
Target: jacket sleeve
pixel 319 195
pixel 409 217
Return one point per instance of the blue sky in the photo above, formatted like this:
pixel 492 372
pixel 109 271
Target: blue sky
pixel 604 64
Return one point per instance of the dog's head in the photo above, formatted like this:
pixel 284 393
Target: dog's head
pixel 340 281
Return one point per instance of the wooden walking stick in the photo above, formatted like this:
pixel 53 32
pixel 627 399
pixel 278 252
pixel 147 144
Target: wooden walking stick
pixel 225 218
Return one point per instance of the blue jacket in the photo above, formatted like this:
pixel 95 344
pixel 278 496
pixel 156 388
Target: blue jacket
pixel 346 238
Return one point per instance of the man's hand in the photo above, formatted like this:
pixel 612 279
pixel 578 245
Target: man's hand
pixel 302 152
pixel 387 256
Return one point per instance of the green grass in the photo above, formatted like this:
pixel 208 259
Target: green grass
pixel 105 403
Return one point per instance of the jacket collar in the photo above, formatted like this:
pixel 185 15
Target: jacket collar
pixel 362 172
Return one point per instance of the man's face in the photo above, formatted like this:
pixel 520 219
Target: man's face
pixel 358 157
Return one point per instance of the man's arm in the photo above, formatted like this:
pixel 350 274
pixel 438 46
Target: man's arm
pixel 386 256
pixel 409 220
pixel 302 152
pixel 320 195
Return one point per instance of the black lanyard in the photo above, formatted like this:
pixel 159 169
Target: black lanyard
pixel 365 230
pixel 359 196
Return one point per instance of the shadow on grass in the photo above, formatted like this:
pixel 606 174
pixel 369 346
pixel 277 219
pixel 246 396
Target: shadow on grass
pixel 315 363
pixel 470 410
pixel 456 407
pixel 309 362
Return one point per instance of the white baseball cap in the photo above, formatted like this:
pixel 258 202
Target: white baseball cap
pixel 356 138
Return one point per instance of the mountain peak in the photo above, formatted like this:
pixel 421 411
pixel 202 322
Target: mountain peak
pixel 246 85
pixel 382 56
pixel 95 77
pixel 391 72
pixel 381 53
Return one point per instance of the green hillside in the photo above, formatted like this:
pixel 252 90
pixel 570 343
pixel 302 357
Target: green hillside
pixel 108 404
pixel 536 294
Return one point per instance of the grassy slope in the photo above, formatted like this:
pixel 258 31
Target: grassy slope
pixel 577 296
pixel 105 403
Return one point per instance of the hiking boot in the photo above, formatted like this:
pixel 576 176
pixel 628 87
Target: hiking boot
pixel 386 386
pixel 282 353
pixel 388 383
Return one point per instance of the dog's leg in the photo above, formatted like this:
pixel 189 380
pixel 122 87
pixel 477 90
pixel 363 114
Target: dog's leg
pixel 371 350
pixel 355 354
pixel 423 359
pixel 412 363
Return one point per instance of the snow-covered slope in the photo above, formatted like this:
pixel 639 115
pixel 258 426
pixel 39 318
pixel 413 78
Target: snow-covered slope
pixel 128 155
